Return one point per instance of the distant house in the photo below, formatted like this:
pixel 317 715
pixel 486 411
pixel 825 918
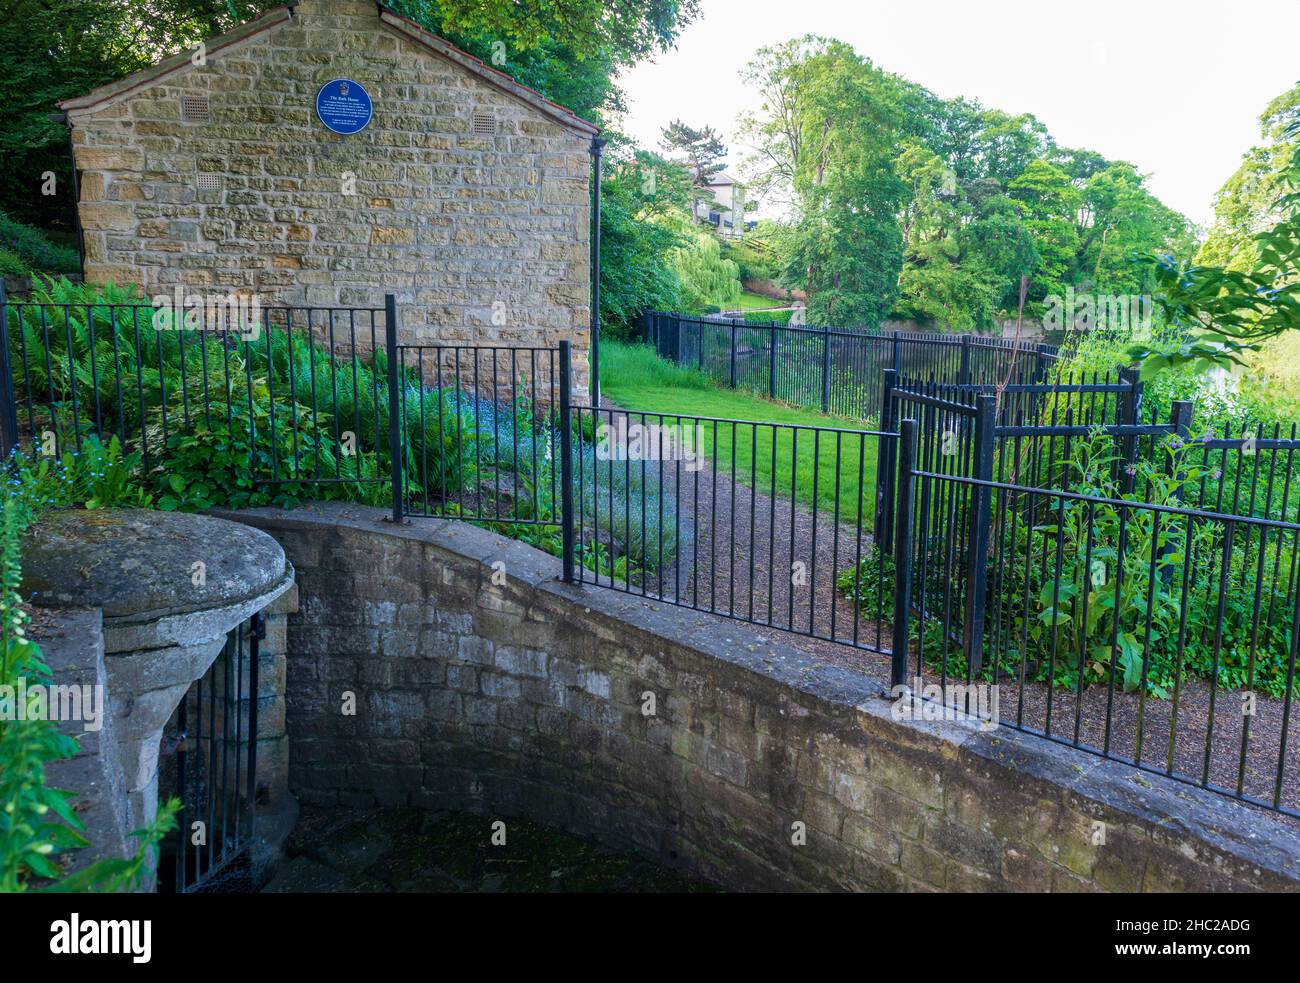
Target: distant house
pixel 725 212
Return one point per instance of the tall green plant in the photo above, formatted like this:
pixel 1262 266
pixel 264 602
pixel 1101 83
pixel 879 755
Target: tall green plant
pixel 38 825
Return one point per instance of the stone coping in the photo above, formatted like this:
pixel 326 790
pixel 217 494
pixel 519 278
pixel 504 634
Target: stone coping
pixel 145 566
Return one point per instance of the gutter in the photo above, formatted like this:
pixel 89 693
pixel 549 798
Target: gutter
pixel 76 192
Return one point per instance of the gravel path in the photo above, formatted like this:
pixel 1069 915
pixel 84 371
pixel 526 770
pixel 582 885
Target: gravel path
pixel 758 558
pixel 755 557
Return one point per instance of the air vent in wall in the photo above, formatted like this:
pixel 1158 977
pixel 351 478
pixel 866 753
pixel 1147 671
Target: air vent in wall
pixel 194 108
pixel 209 182
pixel 484 122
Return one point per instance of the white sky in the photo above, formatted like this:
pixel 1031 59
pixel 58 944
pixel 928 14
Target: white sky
pixel 1175 86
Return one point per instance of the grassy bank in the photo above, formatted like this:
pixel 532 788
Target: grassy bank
pixel 633 377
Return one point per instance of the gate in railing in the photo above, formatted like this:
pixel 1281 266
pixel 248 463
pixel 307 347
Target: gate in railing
pixel 477 431
pixel 209 762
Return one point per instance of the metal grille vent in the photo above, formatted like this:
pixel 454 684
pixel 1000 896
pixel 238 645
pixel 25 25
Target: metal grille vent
pixel 209 182
pixel 484 122
pixel 194 108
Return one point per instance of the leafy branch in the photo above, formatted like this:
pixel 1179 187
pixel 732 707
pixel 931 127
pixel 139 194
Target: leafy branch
pixel 1227 313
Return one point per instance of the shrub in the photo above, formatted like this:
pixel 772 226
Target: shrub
pixel 779 318
pixel 11 264
pixel 224 423
pixel 39 824
pixel 34 249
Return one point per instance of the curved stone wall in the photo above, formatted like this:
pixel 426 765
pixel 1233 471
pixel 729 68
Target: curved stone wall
pixel 417 676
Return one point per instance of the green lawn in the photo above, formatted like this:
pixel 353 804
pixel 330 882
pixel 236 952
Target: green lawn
pixel 633 377
pixel 750 301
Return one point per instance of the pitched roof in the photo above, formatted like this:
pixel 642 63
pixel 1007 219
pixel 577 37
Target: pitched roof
pixel 409 29
pixel 275 19
pixel 111 92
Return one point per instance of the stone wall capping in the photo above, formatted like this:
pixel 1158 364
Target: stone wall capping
pixel 141 632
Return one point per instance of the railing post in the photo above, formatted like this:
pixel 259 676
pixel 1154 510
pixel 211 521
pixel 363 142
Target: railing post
pixel 771 362
pixel 1130 413
pixel 566 463
pixel 903 553
pixel 885 454
pixel 256 634
pixel 965 360
pixel 395 452
pixel 826 369
pixel 732 372
pixel 597 157
pixel 1043 357
pixel 897 357
pixel 8 404
pixel 978 540
pixel 1180 418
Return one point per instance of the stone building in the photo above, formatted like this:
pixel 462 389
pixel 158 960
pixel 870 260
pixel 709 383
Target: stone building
pixel 466 195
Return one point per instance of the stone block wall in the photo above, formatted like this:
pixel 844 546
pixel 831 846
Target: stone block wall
pixel 272 732
pixel 72 646
pixel 276 807
pixel 481 233
pixel 416 677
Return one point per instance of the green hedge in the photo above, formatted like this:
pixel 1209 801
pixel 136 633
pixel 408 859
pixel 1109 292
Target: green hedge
pixel 781 318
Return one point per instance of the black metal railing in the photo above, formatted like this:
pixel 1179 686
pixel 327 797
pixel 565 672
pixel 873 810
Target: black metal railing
pixel 1161 636
pixel 480 426
pixel 837 370
pixel 210 764
pixel 930 538
pixel 753 521
pixel 287 394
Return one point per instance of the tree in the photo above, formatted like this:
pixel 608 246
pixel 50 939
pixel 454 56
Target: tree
pixel 640 190
pixel 1230 311
pixel 1244 206
pixel 1048 201
pixel 826 134
pixel 626 31
pixel 708 280
pixel 702 149
pixel 978 198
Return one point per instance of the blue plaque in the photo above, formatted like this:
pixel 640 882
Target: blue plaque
pixel 344 106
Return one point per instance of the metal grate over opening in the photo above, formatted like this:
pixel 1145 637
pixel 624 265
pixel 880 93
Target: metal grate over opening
pixel 195 109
